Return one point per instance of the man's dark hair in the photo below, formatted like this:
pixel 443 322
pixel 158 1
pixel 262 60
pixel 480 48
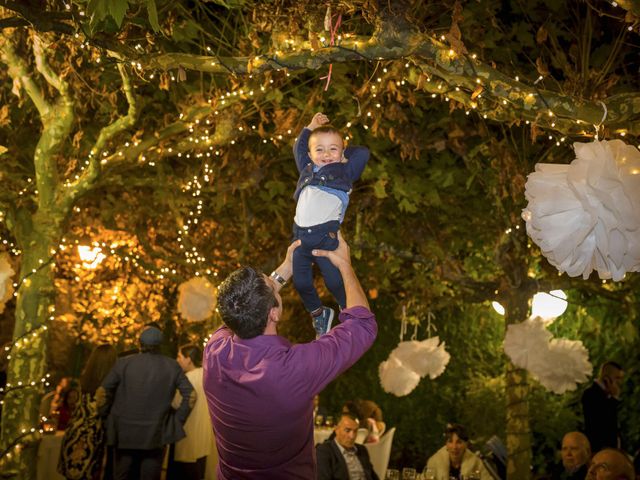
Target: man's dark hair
pixel 145 348
pixel 458 429
pixel 244 302
pixel 194 352
pixel 349 415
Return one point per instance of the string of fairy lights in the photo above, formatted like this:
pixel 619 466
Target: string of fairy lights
pixel 201 149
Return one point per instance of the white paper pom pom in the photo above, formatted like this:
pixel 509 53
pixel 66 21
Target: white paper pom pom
pixel 397 379
pixel 425 357
pixel 566 364
pixel 586 215
pixel 6 283
pixel 525 341
pixel 197 299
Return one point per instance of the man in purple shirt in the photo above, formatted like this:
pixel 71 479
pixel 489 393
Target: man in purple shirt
pixel 259 387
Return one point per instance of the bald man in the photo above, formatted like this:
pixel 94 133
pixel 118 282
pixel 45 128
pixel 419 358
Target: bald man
pixel 575 453
pixel 611 464
pixel 600 407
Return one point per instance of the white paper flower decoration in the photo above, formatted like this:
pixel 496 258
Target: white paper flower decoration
pixel 396 378
pixel 427 357
pixel 558 364
pixel 197 299
pixel 6 282
pixel 525 341
pixel 586 215
pixel 567 364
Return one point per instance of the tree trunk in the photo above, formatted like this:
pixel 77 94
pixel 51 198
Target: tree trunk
pixel 517 391
pixel 38 237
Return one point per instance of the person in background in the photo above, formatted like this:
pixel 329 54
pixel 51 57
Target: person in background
pixel 611 464
pixel 340 457
pixel 600 404
pixel 259 387
pixel 319 412
pixel 369 415
pixel 82 450
pixel 65 401
pixel 575 453
pixel 136 395
pixel 455 460
pixel 190 454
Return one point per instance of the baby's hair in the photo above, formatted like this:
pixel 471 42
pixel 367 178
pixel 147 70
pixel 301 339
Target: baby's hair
pixel 326 128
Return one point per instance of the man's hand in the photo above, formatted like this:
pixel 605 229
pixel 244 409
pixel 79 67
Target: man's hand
pixel 340 257
pixel 318 120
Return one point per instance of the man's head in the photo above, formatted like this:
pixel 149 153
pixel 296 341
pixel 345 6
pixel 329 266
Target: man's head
pixel 611 376
pixel 150 340
pixel 575 451
pixel 611 464
pixel 246 300
pixel 347 430
pixel 326 146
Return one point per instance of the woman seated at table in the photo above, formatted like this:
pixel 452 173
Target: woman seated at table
pixel 455 460
pixel 370 417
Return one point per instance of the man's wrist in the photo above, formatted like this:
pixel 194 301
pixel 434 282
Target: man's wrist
pixel 279 279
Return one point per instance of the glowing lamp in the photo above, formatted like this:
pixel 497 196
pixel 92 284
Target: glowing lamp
pixel 91 257
pixel 549 305
pixel 497 307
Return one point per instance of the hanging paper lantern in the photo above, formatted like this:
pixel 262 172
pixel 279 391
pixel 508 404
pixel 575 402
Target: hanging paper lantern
pixel 526 341
pixel 396 378
pixel 427 357
pixel 566 365
pixel 197 299
pixel 549 306
pixel 586 215
pixel 6 282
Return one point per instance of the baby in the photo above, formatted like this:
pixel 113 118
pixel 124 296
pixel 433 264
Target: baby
pixel 327 172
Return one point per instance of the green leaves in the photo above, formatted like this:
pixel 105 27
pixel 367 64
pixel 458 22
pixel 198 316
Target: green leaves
pixel 103 12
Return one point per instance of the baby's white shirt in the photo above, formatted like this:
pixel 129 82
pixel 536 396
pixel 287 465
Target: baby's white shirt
pixel 316 206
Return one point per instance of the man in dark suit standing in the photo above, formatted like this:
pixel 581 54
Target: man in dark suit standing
pixel 600 407
pixel 137 395
pixel 340 458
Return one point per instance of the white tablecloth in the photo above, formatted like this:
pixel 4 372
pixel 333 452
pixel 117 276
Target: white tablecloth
pixel 321 434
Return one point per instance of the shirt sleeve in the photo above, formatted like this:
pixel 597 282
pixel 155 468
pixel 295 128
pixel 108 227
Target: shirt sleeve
pixel 301 149
pixel 322 360
pixel 357 159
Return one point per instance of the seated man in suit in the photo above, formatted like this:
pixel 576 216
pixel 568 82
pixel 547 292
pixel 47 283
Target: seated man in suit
pixel 340 458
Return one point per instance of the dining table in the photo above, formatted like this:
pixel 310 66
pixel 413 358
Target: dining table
pixel 48 454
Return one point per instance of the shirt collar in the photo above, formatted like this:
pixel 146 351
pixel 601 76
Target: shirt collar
pixel 262 340
pixel 342 449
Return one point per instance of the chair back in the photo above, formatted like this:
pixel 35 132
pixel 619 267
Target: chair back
pixel 362 435
pixel 380 452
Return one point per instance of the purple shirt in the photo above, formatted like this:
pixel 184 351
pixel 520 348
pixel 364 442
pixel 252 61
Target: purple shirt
pixel 260 394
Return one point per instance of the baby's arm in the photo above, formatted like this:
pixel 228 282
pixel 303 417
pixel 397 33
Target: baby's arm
pixel 301 145
pixel 357 157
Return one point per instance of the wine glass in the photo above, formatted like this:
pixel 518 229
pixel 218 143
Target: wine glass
pixel 319 420
pixel 408 473
pixel 392 474
pixel 329 421
pixel 429 474
pixel 474 475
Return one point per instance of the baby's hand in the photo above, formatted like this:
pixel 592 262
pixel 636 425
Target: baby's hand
pixel 318 120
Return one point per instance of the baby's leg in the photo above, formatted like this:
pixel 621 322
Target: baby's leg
pixel 333 280
pixel 303 278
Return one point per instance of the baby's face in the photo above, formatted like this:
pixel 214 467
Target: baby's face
pixel 325 148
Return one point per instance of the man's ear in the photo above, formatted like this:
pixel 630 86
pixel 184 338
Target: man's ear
pixel 273 315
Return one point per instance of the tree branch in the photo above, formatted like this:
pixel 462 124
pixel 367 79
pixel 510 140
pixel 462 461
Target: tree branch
pixel 502 98
pixel 88 178
pixel 21 76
